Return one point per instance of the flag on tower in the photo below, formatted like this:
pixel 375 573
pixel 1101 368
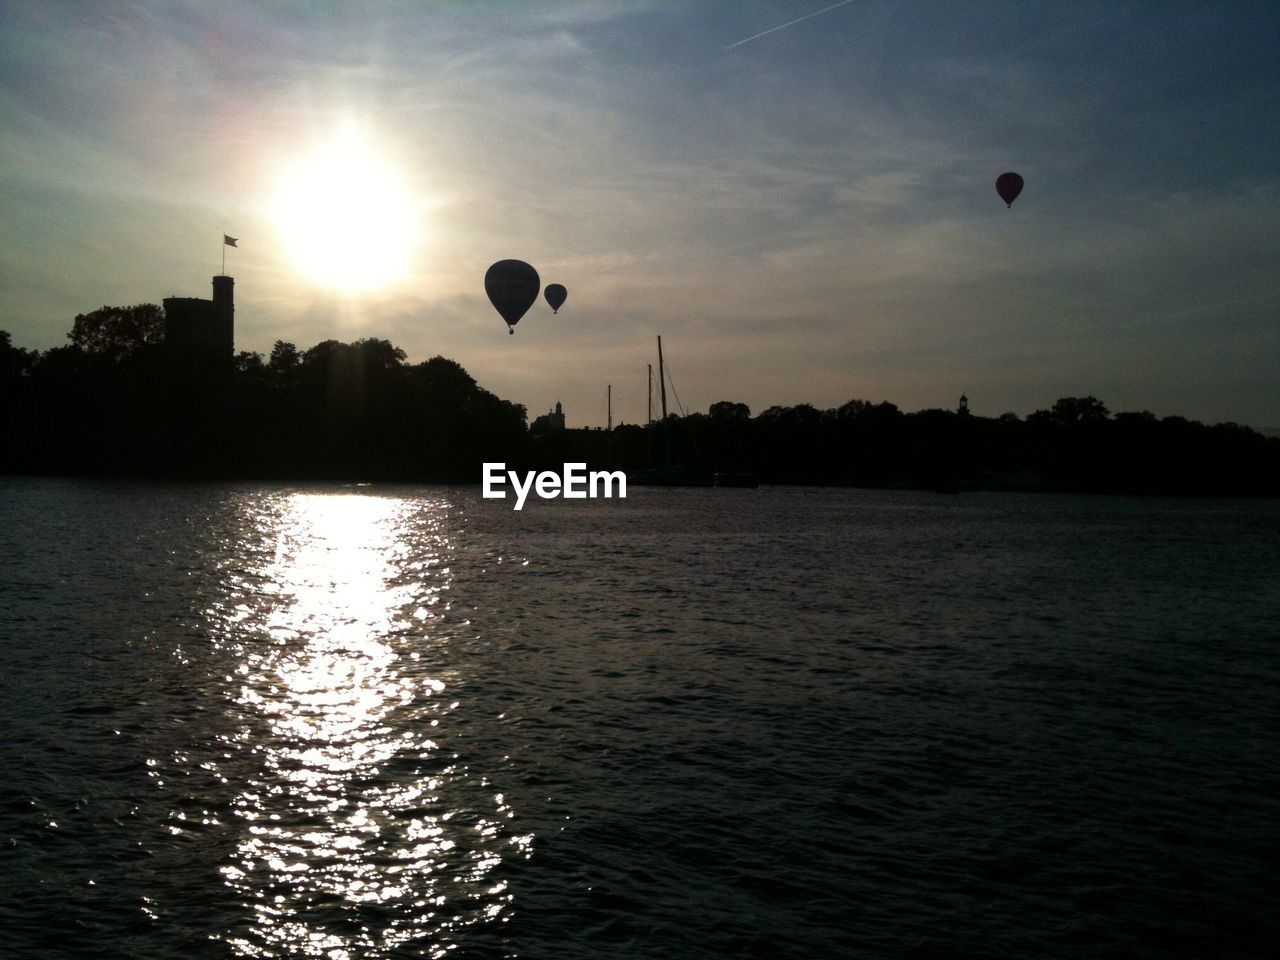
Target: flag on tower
pixel 229 241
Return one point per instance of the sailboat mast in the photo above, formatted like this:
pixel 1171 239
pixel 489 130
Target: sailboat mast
pixel 662 380
pixel 609 404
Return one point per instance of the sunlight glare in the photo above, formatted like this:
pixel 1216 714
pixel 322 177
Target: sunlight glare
pixel 346 216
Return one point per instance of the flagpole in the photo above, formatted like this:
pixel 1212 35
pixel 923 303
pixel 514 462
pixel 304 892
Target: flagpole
pixel 227 241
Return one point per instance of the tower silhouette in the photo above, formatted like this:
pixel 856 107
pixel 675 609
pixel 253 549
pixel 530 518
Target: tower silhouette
pixel 202 331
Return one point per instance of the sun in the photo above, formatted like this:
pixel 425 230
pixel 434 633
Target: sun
pixel 346 216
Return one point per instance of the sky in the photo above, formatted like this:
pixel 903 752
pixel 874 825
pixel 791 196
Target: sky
pixel 798 197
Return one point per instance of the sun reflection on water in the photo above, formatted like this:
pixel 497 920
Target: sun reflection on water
pixel 359 833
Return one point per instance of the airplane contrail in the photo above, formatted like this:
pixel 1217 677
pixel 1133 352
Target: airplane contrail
pixel 789 23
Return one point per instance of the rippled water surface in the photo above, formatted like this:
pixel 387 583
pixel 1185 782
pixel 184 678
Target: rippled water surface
pixel 241 721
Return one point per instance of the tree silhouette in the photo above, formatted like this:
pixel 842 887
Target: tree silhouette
pixel 1072 410
pixel 118 332
pixel 284 360
pixel 14 361
pixel 248 364
pixel 728 410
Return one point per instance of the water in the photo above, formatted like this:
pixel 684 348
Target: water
pixel 242 721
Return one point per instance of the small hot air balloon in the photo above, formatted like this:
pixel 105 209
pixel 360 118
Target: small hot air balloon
pixel 512 286
pixel 1009 185
pixel 556 294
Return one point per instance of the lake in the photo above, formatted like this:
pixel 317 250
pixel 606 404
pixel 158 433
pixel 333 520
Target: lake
pixel 395 721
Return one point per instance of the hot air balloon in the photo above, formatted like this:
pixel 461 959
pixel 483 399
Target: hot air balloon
pixel 555 295
pixel 512 286
pixel 1009 185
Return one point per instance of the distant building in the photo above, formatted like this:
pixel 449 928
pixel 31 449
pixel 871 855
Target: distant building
pixel 550 421
pixel 963 409
pixel 202 331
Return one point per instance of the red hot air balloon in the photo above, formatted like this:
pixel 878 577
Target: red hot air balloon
pixel 1009 185
pixel 556 294
pixel 512 286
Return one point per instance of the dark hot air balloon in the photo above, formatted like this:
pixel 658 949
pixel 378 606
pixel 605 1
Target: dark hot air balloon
pixel 556 294
pixel 512 286
pixel 1009 185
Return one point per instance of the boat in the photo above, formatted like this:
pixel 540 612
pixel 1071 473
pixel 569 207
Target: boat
pixel 667 474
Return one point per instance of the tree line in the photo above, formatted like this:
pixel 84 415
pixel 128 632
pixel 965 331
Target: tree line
pixel 1075 445
pixel 113 401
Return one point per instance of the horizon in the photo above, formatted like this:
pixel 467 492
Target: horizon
pixel 799 197
pixel 678 411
